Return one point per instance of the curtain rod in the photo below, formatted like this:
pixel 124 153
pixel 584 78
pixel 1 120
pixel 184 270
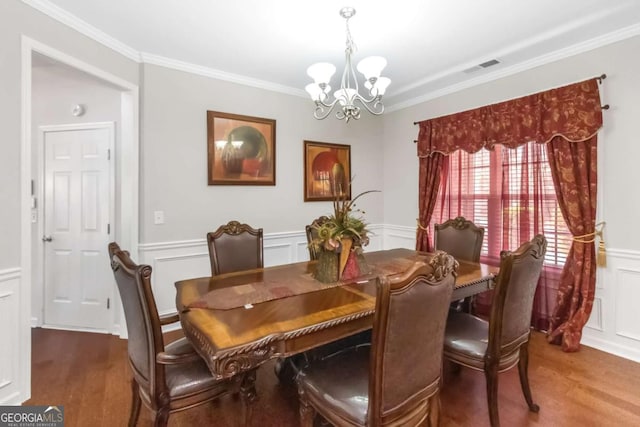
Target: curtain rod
pixel 600 78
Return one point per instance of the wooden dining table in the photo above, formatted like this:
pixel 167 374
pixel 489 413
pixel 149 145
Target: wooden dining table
pixel 238 321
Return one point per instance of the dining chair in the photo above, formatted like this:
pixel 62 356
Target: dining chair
pixel 312 234
pixel 502 342
pixel 166 378
pixel 460 238
pixel 235 247
pixel 395 380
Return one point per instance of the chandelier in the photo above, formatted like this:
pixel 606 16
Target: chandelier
pixel 349 92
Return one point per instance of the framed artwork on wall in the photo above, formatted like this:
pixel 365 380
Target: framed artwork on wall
pixel 241 150
pixel 327 171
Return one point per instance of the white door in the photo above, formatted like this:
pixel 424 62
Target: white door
pixel 78 282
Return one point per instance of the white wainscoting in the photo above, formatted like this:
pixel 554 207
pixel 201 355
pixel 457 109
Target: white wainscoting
pixel 613 326
pixel 399 236
pixel 10 323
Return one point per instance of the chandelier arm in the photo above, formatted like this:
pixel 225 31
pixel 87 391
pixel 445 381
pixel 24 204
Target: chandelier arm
pixel 374 105
pixel 320 113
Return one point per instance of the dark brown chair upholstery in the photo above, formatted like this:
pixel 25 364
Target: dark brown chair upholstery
pixel 312 233
pixel 395 380
pixel 460 238
pixel 235 247
pixel 167 378
pixel 501 343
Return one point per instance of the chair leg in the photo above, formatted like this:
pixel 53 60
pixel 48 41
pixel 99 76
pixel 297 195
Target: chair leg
pixel 523 368
pixel 161 418
pixel 434 410
pixel 307 412
pixel 491 376
pixel 135 404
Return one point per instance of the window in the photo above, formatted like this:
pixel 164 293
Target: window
pixel 510 193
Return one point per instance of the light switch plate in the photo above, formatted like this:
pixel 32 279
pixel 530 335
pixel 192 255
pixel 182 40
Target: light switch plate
pixel 158 217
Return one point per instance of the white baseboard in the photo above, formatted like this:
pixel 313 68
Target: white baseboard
pixel 13 399
pixel 75 329
pixel 15 357
pixel 611 347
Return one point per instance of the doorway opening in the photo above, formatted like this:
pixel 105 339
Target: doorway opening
pixel 121 120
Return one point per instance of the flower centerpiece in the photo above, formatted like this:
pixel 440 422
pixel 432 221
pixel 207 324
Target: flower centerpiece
pixel 339 241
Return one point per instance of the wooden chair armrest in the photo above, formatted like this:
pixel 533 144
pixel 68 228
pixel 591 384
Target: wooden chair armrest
pixel 169 319
pixel 177 359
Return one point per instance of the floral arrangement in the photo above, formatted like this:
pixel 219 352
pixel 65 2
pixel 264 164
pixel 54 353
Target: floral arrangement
pixel 343 224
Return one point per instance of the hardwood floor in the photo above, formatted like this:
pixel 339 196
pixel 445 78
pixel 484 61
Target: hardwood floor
pixel 89 375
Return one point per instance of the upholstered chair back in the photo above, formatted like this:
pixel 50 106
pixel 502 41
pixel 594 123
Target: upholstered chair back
pixel 460 238
pixel 235 247
pixel 408 331
pixel 510 317
pixel 141 315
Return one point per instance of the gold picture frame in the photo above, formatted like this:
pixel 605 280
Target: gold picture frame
pixel 241 150
pixel 327 167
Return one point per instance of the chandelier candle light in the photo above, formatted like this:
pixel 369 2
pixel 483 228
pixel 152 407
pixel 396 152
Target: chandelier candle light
pixel 349 93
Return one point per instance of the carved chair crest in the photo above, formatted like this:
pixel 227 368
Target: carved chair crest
pixel 442 265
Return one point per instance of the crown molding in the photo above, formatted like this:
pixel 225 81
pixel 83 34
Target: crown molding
pixel 187 67
pixel 83 27
pixel 99 36
pixel 594 43
pixel 542 37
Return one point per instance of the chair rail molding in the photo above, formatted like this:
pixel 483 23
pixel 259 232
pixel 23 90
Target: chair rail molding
pixel 12 367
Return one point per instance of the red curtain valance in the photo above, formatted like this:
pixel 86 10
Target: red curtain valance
pixel 572 112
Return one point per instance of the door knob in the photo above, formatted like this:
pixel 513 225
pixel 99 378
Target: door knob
pixel 47 238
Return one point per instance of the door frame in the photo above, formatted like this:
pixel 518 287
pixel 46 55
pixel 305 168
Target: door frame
pixel 127 178
pixel 42 130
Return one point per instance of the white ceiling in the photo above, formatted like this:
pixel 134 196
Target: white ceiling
pixel 427 43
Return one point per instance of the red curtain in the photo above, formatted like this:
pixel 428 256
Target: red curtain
pixel 571 111
pixel 571 114
pixel 512 191
pixel 573 166
pixel 429 183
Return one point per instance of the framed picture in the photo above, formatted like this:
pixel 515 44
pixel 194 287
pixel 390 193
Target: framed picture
pixel 327 171
pixel 241 149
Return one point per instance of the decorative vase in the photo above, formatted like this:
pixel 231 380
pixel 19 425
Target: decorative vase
pixel 351 269
pixel 327 266
pixel 362 262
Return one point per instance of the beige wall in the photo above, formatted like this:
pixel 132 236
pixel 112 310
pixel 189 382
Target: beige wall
pixel 174 158
pixel 16 20
pixel 619 150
